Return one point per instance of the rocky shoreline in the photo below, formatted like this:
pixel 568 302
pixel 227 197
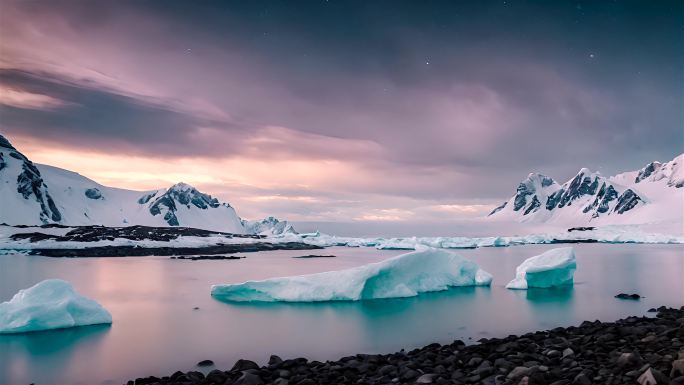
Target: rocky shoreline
pixel 138 251
pixel 634 350
pixel 90 234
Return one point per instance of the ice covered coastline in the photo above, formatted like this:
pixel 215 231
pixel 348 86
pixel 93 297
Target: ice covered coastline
pixel 9 243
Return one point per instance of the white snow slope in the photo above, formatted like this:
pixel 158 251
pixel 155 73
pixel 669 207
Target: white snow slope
pixel 33 194
pixel 406 275
pixel 50 304
pixel 651 195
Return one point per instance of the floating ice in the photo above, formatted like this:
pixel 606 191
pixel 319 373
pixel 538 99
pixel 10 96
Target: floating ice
pixel 552 268
pixel 402 276
pixel 50 304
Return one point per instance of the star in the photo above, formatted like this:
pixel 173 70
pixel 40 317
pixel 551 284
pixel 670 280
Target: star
pixel 591 55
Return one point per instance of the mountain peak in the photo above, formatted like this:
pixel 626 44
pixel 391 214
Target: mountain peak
pixel 4 142
pixel 269 226
pixel 182 186
pixel 587 193
pixel 672 172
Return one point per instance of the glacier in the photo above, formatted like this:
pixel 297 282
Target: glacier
pixel 50 304
pixel 554 267
pixel 406 275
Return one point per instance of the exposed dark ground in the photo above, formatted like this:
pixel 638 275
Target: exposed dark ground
pixel 142 233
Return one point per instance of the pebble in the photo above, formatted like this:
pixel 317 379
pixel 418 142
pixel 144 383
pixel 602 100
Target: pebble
pixel 643 350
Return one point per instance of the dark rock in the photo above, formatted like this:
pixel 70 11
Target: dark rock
pixel 241 365
pixel 274 360
pixel 205 362
pixel 587 228
pixel 216 376
pixel 316 256
pixel 581 379
pixel 627 201
pixel 628 296
pixel 209 257
pixel 629 360
pixel 93 193
pixel 249 379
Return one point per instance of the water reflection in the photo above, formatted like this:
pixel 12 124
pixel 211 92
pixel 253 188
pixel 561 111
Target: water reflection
pixel 156 331
pixel 23 354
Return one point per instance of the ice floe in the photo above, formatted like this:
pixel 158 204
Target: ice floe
pixel 50 304
pixel 555 267
pixel 406 275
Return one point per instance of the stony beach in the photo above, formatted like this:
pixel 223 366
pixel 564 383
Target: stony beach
pixel 634 350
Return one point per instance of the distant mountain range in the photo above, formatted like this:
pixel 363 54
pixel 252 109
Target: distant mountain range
pixel 652 194
pixel 34 194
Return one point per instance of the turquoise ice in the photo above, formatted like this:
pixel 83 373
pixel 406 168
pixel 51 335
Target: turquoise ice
pixel 406 275
pixel 50 304
pixel 555 267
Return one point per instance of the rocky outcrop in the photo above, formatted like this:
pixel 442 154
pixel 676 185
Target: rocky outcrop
pixel 93 193
pixel 29 183
pixel 179 194
pixel 595 195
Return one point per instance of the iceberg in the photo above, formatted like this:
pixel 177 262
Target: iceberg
pixel 50 304
pixel 555 267
pixel 406 275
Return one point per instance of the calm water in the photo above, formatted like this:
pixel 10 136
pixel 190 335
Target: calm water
pixel 156 331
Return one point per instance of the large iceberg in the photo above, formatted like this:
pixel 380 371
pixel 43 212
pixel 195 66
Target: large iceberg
pixel 402 276
pixel 50 304
pixel 555 267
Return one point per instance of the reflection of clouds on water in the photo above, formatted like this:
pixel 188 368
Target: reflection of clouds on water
pixel 156 331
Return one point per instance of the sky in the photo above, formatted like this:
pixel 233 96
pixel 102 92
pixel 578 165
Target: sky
pixel 343 111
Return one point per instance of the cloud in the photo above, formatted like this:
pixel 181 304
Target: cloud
pixel 337 103
pixel 28 100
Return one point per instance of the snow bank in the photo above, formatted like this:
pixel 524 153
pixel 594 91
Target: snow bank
pixel 50 304
pixel 553 268
pixel 406 275
pixel 605 234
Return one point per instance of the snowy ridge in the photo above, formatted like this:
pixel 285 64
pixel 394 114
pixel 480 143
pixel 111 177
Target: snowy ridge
pixel 85 202
pixel 33 194
pixel 268 226
pixel 650 195
pixel 406 275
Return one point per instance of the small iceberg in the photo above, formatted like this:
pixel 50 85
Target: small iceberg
pixel 406 275
pixel 50 304
pixel 555 267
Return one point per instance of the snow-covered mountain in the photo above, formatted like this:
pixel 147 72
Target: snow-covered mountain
pixel 34 194
pixel 651 194
pixel 268 226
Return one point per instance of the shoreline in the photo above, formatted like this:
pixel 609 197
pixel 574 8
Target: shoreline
pixel 647 349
